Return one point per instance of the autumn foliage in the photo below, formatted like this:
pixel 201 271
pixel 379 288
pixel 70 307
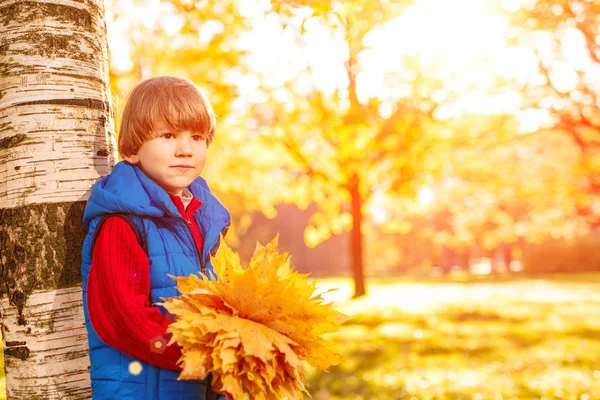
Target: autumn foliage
pixel 253 328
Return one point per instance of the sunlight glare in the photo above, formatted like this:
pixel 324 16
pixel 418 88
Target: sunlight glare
pixel 530 120
pixel 452 34
pixel 379 215
pixel 138 22
pixel 376 208
pixel 119 49
pixel 511 5
pixel 172 24
pixel 574 48
pixel 426 196
pixel 272 51
pixel 135 368
pixel 563 77
pixel 209 30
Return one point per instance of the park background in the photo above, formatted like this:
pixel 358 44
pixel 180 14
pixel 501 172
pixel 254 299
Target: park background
pixel 462 137
pixel 437 161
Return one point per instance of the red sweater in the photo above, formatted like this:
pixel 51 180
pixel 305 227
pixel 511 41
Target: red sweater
pixel 118 288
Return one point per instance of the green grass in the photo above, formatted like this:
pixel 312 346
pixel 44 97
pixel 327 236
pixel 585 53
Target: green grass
pixel 476 339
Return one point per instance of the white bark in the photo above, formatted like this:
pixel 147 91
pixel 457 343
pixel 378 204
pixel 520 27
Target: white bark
pixel 55 343
pixel 54 89
pixel 56 140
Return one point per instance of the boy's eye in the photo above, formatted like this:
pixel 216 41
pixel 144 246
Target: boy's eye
pixel 197 138
pixel 168 135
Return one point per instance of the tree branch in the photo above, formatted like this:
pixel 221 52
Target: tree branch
pixel 295 152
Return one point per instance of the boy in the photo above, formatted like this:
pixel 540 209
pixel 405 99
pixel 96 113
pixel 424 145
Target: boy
pixel 152 216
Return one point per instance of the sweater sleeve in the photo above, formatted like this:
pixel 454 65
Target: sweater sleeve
pixel 117 298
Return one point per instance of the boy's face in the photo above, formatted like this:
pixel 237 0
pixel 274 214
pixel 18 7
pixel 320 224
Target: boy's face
pixel 172 160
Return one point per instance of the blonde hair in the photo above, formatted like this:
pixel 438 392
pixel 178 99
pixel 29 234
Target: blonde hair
pixel 164 104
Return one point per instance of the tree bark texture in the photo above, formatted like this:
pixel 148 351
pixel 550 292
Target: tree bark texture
pixel 55 120
pixel 56 140
pixel 46 354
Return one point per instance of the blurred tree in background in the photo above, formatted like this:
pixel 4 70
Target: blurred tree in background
pixel 415 134
pixel 564 37
pixel 340 140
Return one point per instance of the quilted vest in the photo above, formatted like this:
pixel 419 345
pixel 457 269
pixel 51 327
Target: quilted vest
pixel 171 250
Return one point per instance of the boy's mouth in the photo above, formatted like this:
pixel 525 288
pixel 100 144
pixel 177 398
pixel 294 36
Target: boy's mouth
pixel 182 167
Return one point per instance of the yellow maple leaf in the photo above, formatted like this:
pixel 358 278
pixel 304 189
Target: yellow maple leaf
pixel 254 326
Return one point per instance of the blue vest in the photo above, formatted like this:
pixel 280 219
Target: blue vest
pixel 171 250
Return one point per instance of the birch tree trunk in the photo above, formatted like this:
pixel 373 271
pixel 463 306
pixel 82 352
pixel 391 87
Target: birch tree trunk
pixel 56 139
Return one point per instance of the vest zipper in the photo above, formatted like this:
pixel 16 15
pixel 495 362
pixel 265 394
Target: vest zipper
pixel 203 270
pixel 187 224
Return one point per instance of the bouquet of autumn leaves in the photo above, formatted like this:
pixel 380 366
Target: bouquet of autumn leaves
pixel 253 328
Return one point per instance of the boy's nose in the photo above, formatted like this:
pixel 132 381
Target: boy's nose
pixel 184 148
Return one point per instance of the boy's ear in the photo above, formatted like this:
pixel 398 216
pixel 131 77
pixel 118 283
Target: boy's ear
pixel 132 159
